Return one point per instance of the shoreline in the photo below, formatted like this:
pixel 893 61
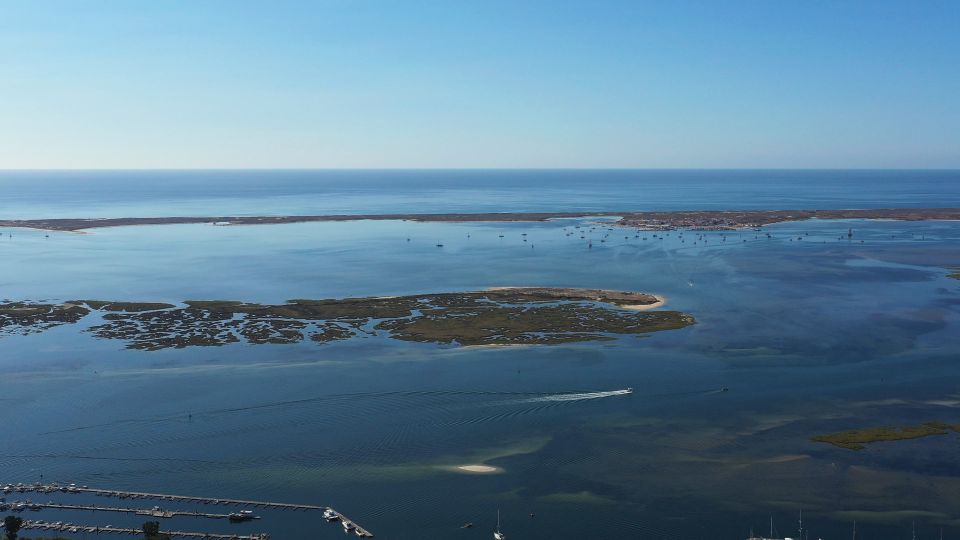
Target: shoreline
pixel 654 221
pixel 661 301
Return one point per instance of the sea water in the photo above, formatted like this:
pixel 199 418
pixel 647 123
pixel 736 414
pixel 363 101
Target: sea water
pixel 800 334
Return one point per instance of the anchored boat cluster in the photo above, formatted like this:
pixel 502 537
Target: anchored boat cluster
pixel 243 515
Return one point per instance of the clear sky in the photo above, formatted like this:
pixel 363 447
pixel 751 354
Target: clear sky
pixel 485 83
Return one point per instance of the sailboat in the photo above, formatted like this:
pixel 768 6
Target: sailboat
pixel 497 535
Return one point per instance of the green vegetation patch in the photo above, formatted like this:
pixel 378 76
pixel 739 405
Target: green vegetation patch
pixel 954 273
pixel 29 317
pixel 494 317
pixel 493 324
pixel 548 294
pixel 856 439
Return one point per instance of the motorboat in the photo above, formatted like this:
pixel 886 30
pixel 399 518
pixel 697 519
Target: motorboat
pixel 242 515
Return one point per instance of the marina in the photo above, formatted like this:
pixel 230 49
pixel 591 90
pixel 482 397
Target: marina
pixel 73 528
pixel 328 513
pixel 156 511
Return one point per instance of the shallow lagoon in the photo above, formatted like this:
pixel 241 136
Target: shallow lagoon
pixel 810 336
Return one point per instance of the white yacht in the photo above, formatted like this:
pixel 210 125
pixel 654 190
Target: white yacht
pixel 243 515
pixel 497 535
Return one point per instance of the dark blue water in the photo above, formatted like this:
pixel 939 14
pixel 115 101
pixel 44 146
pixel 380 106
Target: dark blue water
pixel 40 194
pixel 811 334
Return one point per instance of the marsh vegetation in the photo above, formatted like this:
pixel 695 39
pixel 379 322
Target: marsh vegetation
pixel 505 316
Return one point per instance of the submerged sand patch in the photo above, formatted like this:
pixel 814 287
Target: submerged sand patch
pixel 579 497
pixel 478 469
pixel 472 463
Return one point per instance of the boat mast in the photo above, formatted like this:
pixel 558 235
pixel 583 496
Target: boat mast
pixel 800 531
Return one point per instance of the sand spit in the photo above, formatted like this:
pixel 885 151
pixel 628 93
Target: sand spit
pixel 661 301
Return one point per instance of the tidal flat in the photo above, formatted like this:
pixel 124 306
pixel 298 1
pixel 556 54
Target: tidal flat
pixel 499 316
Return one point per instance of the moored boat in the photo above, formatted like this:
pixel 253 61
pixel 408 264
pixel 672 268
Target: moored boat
pixel 242 515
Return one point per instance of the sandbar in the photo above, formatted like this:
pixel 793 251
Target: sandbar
pixel 479 469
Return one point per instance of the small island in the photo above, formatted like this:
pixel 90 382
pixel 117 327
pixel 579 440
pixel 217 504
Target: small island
pixel 500 316
pixel 857 439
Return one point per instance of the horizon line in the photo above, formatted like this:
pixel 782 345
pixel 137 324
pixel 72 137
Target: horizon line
pixel 348 169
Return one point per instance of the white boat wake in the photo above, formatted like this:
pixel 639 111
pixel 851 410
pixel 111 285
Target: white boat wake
pixel 579 396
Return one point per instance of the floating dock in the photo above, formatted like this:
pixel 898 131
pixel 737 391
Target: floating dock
pixel 150 512
pixel 200 500
pixel 71 528
pixel 72 488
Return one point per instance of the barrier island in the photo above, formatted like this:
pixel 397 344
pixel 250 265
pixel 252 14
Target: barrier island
pixel 685 219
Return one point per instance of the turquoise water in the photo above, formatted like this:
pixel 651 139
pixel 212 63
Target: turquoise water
pixel 811 334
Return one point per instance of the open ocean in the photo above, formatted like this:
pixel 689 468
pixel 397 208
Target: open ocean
pixel 37 194
pixel 810 332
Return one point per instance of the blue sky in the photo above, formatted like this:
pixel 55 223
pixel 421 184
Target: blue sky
pixel 487 83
